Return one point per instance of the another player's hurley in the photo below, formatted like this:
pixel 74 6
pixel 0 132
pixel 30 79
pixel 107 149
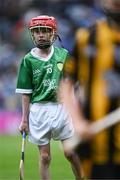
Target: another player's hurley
pixel 22 156
pixel 96 127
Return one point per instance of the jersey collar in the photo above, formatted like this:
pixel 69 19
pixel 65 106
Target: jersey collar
pixel 41 58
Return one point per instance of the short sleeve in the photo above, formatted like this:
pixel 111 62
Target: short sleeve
pixel 24 80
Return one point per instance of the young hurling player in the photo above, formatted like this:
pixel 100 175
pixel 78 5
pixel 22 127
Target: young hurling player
pixel 43 117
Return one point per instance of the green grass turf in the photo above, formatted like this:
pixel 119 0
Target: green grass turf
pixel 10 152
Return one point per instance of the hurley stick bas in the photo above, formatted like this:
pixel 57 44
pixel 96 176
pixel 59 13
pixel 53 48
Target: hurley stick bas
pixel 22 156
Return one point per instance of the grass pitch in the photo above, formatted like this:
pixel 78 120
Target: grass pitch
pixel 10 152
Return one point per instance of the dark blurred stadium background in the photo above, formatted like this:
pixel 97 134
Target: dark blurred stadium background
pixel 15 42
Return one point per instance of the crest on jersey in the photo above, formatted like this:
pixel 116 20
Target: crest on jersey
pixel 60 65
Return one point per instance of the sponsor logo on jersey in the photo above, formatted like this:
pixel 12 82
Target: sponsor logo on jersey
pixel 51 84
pixel 60 65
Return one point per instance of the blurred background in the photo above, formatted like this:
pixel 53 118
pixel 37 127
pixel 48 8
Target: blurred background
pixel 15 42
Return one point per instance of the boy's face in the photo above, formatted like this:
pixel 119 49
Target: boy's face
pixel 42 35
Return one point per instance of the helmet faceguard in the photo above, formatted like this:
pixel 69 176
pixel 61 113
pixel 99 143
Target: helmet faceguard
pixel 49 25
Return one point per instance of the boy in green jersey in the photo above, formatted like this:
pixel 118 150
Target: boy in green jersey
pixel 43 117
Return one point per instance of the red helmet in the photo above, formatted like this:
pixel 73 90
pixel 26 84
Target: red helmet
pixel 44 21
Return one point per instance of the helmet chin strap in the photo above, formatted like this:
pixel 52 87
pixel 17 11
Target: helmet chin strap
pixel 43 46
pixel 60 41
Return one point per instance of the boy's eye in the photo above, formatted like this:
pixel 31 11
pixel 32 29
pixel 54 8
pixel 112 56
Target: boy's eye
pixel 49 30
pixel 36 30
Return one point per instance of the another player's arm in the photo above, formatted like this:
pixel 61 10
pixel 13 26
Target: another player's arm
pixel 68 97
pixel 24 126
pixel 73 106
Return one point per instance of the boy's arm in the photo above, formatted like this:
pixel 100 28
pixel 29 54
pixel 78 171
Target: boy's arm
pixel 24 125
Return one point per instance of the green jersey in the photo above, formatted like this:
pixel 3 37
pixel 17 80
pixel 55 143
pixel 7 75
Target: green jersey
pixel 40 77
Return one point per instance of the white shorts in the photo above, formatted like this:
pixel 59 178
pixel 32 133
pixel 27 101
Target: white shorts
pixel 48 121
